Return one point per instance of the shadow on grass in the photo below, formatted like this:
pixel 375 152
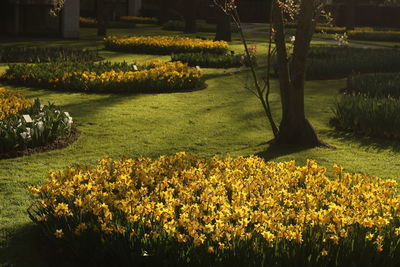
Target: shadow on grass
pixel 21 247
pixel 377 144
pixel 276 151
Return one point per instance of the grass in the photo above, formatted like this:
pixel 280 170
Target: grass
pixel 224 118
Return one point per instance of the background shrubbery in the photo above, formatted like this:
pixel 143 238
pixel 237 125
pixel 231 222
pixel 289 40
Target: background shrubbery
pixel 178 25
pixel 371 105
pixel 332 61
pixel 39 55
pixel 207 60
pixel 375 84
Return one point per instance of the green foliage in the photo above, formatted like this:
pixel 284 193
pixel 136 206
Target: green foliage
pixel 46 54
pixel 331 61
pixel 178 25
pixel 371 35
pixel 49 122
pixel 208 60
pixel 375 84
pixel 378 117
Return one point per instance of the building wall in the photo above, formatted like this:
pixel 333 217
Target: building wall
pixel 32 18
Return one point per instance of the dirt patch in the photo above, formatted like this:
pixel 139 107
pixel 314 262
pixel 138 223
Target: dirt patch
pixel 59 143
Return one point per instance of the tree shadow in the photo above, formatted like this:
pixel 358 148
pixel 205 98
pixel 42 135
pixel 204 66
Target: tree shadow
pixel 21 247
pixel 377 144
pixel 275 151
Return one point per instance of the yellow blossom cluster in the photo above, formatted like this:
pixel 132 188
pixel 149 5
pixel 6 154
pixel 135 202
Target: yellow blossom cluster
pixel 11 103
pixel 168 72
pixel 217 202
pixel 155 76
pixel 88 21
pixel 139 19
pixel 164 44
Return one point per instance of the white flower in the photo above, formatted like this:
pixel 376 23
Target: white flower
pixel 40 126
pixel 292 39
pixel 26 135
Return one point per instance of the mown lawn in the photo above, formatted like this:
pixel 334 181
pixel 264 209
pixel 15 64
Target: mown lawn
pixel 223 118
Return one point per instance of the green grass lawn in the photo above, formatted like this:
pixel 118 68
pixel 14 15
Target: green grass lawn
pixel 223 118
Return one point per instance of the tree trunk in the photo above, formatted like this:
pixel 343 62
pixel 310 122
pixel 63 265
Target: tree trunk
pixel 294 128
pixel 189 15
pixel 163 12
pixel 102 19
pixel 350 15
pixel 224 31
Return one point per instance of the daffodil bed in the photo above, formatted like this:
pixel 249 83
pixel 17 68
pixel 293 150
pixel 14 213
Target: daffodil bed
pixel 164 45
pixel 151 77
pixel 25 125
pixel 141 20
pixel 181 210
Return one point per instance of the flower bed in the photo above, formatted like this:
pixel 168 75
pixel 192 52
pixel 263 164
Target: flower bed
pixel 326 62
pixel 375 84
pixel 182 211
pixel 178 25
pixel 207 60
pixel 372 35
pixel 164 45
pixel 377 117
pixel 107 77
pixel 39 55
pixel 139 20
pixel 25 125
pixel 371 106
pixel 92 23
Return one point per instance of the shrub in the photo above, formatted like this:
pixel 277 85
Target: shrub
pixel 372 35
pixel 38 55
pixel 207 60
pixel 375 84
pixel 182 211
pixel 336 61
pixel 140 20
pixel 178 25
pixel 107 77
pixel 164 45
pixel 32 125
pixel 377 117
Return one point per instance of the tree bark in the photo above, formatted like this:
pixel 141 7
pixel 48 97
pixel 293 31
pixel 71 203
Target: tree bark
pixel 102 19
pixel 350 15
pixel 294 128
pixel 189 15
pixel 224 31
pixel 163 13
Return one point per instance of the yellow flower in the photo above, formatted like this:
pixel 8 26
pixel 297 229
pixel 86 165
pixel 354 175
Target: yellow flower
pixel 59 233
pixel 324 252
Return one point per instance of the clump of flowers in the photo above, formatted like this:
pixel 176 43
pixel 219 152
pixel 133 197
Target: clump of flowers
pixel 26 125
pixel 242 211
pixel 11 102
pixel 164 44
pixel 144 20
pixel 150 77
